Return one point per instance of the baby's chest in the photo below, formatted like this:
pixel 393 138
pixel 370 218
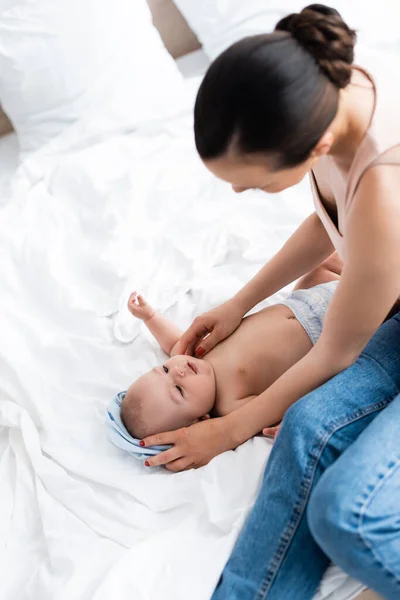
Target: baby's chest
pixel 239 373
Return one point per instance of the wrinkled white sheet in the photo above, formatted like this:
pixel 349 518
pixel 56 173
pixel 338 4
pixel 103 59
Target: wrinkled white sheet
pixel 81 223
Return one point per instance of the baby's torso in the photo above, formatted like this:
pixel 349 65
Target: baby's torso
pixel 265 345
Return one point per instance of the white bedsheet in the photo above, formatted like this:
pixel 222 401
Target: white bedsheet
pixel 193 64
pixel 80 225
pixel 8 158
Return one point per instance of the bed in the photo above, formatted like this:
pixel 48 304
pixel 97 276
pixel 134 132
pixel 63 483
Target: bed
pixel 82 221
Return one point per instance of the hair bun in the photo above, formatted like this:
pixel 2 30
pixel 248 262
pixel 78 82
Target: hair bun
pixel 322 31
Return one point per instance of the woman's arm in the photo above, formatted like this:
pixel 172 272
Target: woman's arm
pixel 305 249
pixel 369 286
pixel 165 332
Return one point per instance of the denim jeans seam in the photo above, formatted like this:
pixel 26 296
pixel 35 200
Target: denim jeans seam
pixel 360 528
pixel 304 493
pixel 382 368
pixel 360 413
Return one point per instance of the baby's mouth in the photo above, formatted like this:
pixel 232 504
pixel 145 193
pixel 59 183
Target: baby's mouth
pixel 193 367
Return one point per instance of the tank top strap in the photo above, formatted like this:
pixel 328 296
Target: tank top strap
pixel 381 142
pixel 389 157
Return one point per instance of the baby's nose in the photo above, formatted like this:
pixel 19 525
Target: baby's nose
pixel 179 371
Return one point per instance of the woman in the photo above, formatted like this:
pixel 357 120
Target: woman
pixel 271 109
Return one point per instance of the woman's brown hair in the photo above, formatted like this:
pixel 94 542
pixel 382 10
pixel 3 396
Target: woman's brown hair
pixel 276 93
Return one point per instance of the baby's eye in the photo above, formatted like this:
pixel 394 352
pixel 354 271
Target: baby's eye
pixel 180 390
pixel 165 369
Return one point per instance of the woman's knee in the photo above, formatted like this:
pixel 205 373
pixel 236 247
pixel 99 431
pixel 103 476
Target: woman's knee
pixel 332 516
pixel 300 419
pixel 304 425
pixel 333 263
pixel 317 276
pixel 329 270
pixel 313 415
pixel 357 525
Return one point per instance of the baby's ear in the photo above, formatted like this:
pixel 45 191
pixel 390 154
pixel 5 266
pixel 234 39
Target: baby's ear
pixel 201 419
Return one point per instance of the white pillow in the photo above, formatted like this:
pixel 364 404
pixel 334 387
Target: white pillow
pixel 220 23
pixel 61 60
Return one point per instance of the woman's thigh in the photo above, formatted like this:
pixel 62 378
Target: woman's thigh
pixel 275 555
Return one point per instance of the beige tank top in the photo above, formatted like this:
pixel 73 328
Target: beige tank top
pixel 380 145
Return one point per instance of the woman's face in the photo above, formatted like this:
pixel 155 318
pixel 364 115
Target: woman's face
pixel 255 173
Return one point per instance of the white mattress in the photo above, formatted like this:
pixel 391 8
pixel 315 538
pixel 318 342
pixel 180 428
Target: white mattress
pixel 80 226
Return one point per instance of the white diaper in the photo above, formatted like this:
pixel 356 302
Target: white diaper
pixel 310 306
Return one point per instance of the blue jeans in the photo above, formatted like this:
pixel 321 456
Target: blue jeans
pixel 331 488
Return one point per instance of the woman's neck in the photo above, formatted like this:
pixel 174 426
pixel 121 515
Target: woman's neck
pixel 356 105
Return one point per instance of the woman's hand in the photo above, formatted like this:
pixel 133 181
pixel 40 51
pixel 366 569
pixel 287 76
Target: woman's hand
pixel 140 309
pixel 210 328
pixel 193 446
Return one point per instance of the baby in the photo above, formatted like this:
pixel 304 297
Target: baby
pixel 184 389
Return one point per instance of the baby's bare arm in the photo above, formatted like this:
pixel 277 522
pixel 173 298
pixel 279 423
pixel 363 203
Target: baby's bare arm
pixel 165 332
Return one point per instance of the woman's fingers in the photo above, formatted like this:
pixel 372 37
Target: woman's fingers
pixel 163 458
pixel 200 338
pixel 207 343
pixel 181 464
pixel 161 439
pixel 190 339
pixel 189 348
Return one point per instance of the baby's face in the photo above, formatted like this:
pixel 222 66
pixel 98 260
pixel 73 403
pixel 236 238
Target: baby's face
pixel 176 393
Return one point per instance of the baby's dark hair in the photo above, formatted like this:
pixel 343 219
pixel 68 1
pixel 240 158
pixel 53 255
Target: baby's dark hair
pixel 131 416
pixel 276 93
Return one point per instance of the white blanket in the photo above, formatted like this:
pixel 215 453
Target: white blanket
pixel 85 221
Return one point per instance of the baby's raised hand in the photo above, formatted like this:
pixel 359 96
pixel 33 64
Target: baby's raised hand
pixel 139 307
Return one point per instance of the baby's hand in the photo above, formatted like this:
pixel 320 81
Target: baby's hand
pixel 272 432
pixel 139 307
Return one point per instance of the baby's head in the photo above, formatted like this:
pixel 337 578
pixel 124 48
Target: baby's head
pixel 172 395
